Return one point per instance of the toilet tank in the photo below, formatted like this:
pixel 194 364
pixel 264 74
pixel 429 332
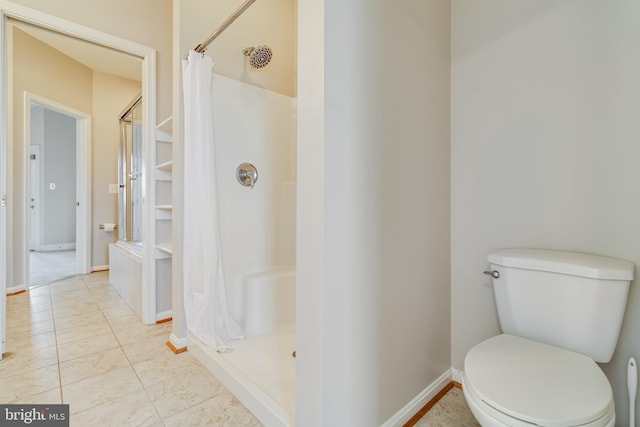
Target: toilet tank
pixel 570 300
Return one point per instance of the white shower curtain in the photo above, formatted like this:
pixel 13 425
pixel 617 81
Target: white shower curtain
pixel 205 300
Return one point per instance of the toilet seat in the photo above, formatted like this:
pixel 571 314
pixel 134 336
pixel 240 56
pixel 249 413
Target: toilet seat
pixel 517 381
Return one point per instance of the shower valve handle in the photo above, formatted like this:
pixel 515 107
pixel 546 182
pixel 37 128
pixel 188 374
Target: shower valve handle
pixel 247 175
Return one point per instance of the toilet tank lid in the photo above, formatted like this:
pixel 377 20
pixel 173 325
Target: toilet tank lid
pixel 572 263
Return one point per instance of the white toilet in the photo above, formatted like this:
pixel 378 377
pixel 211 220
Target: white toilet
pixel 561 313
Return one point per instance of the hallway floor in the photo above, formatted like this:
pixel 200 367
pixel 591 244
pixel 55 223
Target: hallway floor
pixel 77 342
pixel 48 267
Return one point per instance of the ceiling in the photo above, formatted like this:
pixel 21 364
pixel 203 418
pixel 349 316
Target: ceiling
pixel 96 57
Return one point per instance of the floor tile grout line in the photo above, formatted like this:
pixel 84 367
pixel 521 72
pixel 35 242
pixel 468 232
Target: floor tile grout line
pixel 155 409
pixel 130 365
pixel 94 297
pixel 28 306
pixel 57 363
pixel 57 344
pixel 149 385
pixel 191 407
pixel 146 393
pixel 60 373
pixel 53 320
pixel 55 335
pixel 89 354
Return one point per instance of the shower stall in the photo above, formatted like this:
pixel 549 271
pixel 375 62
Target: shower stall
pixel 249 161
pixel 126 255
pixel 257 245
pixel 130 174
pixel 257 241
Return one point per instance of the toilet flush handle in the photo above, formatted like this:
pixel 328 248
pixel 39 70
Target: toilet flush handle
pixel 495 274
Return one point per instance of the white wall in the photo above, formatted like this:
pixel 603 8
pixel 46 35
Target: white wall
pixel 545 147
pixel 384 258
pixel 59 158
pixel 257 226
pixel 310 223
pixel 55 135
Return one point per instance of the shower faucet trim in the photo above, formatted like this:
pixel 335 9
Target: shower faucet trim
pixel 247 175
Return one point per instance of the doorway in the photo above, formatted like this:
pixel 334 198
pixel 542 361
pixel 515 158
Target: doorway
pixel 14 239
pixel 57 139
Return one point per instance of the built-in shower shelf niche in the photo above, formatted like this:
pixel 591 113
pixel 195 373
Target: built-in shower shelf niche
pixel 164 212
pixel 165 171
pixel 163 207
pixel 164 131
pixel 164 250
pixel 166 166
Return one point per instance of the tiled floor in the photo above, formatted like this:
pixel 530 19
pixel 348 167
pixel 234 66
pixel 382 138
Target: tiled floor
pixel 77 342
pixel 450 411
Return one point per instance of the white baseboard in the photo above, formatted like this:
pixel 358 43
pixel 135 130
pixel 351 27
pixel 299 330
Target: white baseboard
pixel 57 247
pixel 95 268
pixel 16 289
pixel 178 343
pixel 163 316
pixel 418 402
pixel 457 375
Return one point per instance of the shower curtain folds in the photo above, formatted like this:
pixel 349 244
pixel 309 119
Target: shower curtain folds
pixel 205 300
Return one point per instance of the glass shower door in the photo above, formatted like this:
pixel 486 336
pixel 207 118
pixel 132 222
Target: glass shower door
pixel 130 196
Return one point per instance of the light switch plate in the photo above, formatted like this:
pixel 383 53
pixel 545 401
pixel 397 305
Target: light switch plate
pixel 52 186
pixel 113 188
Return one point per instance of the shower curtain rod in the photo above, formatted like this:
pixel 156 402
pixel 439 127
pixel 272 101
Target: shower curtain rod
pixel 203 46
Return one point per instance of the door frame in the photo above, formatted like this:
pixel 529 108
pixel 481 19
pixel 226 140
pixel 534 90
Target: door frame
pixel 17 12
pixel 83 178
pixel 35 183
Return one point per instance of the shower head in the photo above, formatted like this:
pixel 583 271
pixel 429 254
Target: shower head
pixel 258 56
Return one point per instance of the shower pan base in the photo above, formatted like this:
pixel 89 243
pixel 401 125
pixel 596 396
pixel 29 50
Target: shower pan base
pixel 260 372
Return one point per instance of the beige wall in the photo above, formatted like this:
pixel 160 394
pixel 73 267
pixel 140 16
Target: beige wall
pixel 147 22
pixel 111 95
pixel 47 73
pixel 545 148
pixel 271 23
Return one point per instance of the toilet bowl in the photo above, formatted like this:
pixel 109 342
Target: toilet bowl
pixel 513 381
pixel 560 313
